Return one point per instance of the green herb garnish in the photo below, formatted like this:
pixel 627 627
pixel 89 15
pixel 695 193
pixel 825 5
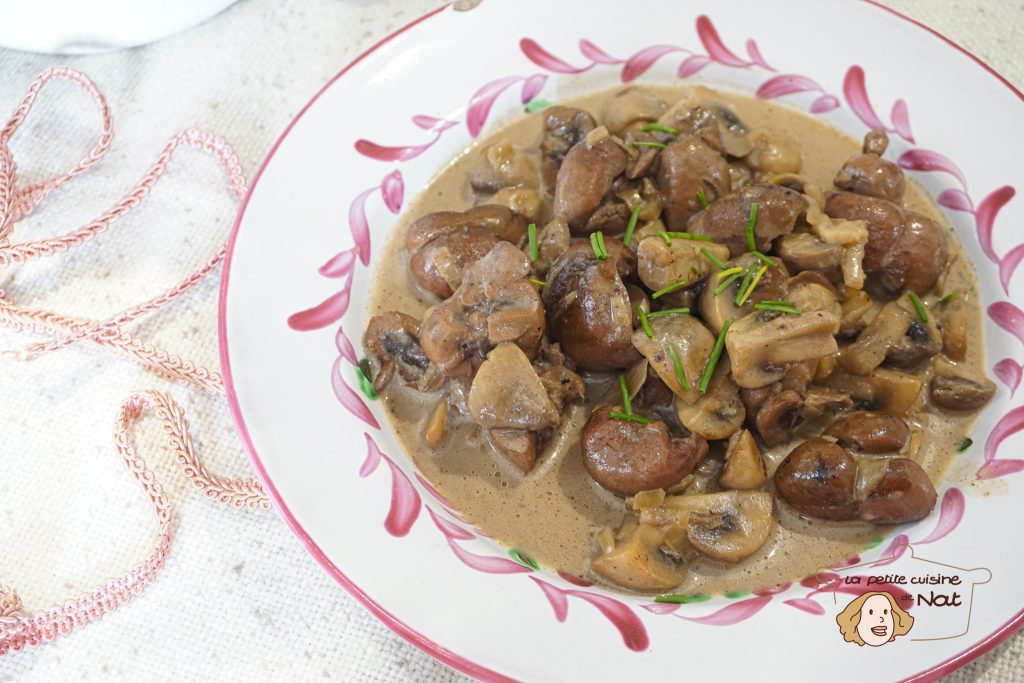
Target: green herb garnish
pixel 751 269
pixel 778 306
pixel 922 312
pixel 624 388
pixel 949 297
pixel 729 271
pixel 669 311
pixel 764 259
pixel 668 130
pixel 615 415
pixel 644 322
pixel 634 216
pixel 670 235
pixel 728 281
pixel 539 283
pixel 671 288
pixel 751 220
pixel 597 244
pixel 680 375
pixel 702 198
pixel 531 232
pixel 644 143
pixel 714 259
pixel 716 353
pixel 753 285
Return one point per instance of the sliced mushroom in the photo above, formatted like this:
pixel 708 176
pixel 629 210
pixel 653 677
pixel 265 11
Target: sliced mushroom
pixel 856 303
pixel 725 221
pixel 393 338
pixel 718 413
pixel 869 174
pixel 717 308
pixel 744 467
pixel 955 388
pixel 890 391
pixel 819 479
pixel 896 336
pixel 507 394
pixel 588 306
pixel 693 344
pixel 443 243
pixel 636 561
pixel 687 168
pixel 802 251
pixel 660 264
pixel 728 526
pixel 953 317
pixel 898 490
pixel 629 106
pixel 779 416
pixel 494 304
pixel 563 128
pixel 517 445
pixel 627 457
pixel 502 165
pixel 584 183
pixel 773 151
pixel 870 432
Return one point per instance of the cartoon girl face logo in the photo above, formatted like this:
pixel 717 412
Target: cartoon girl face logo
pixel 874 619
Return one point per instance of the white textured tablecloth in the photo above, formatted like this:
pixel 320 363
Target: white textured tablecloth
pixel 239 599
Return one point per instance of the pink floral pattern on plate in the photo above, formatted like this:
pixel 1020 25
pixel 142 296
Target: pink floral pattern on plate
pixel 406 501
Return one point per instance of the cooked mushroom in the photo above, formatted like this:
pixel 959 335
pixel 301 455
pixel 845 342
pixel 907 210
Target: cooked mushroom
pixel 725 221
pixel 443 243
pixel 519 446
pixel 718 413
pixel 870 432
pixel 588 306
pixel 893 491
pixel 526 201
pixel 717 308
pixel 953 317
pixel 869 174
pixel 802 251
pixel 896 336
pixel 727 526
pixel 626 457
pixel 905 250
pixel 584 183
pixel 661 264
pixel 563 128
pixel 507 394
pixel 744 467
pixel 779 416
pixel 692 343
pixel 819 479
pixel 629 106
pixel 773 151
pixel 890 391
pixel 494 304
pixel 502 165
pixel 955 388
pixel 636 561
pixel 689 168
pixel 552 240
pixel 393 338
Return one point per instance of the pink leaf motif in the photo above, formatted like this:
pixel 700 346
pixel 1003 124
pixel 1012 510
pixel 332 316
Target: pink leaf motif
pixel 596 54
pixel 823 104
pixel 1008 317
pixel 370 463
pixel 644 60
pixel 927 160
pixel 450 530
pixel 392 191
pixel 487 564
pixel 805 605
pixel 857 96
pixel 955 199
pixel 985 218
pixel 532 87
pixel 405 501
pixel 1009 373
pixel 950 513
pixel 482 101
pixel 1008 425
pixel 1008 266
pixel 732 614
pixel 999 468
pixel 345 348
pixel 339 265
pixel 787 84
pixel 634 635
pixel 327 312
pixel 692 65
pixel 713 44
pixel 574 580
pixel 773 590
pixel 378 152
pixel 816 581
pixel 359 226
pixel 755 55
pixel 544 59
pixel 895 551
pixel 348 398
pixel 901 121
pixel 425 122
pixel 661 607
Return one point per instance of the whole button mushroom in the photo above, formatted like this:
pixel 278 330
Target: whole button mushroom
pixel 725 221
pixel 688 167
pixel 870 432
pixel 869 174
pixel 584 184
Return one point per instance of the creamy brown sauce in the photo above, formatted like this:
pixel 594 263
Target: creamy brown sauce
pixel 554 512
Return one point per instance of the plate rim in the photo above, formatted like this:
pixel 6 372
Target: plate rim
pixel 439 652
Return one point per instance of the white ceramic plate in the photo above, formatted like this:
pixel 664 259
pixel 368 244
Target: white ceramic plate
pixel 328 194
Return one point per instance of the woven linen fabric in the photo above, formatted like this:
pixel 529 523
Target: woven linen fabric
pixel 239 598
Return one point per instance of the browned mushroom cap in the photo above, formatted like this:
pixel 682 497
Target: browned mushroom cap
pixel 631 105
pixel 503 165
pixel 563 128
pixel 869 174
pixel 443 243
pixel 627 458
pixel 870 432
pixel 688 167
pixel 779 416
pixel 905 250
pixel 393 338
pixel 517 445
pixel 725 221
pixel 584 182
pixel 894 490
pixel 956 388
pixel 494 304
pixel 588 306
pixel 819 479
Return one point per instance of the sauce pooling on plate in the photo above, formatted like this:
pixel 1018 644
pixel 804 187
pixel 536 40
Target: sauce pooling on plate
pixel 678 340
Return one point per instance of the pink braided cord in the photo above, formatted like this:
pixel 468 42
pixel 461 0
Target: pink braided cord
pixel 18 629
